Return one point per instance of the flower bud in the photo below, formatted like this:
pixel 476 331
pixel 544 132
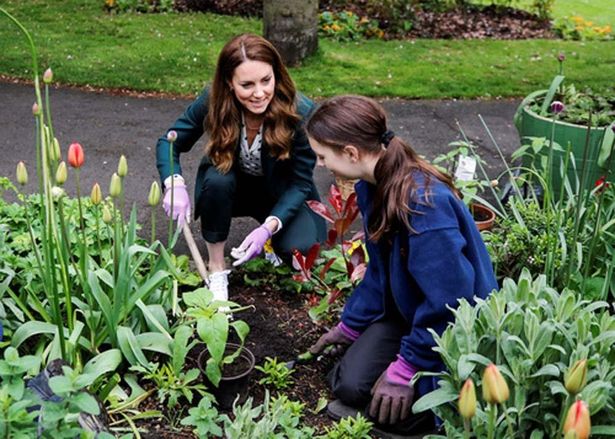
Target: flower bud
pixel 576 377
pixel 106 215
pixel 61 173
pixel 172 136
pixel 494 183
pixel 578 420
pixel 57 192
pixel 96 195
pixel 22 173
pixel 122 167
pixel 56 149
pixel 75 155
pixel 48 76
pixel 36 110
pixel 154 194
pixel 561 57
pixel 115 187
pixel 557 107
pixel 495 389
pixel 467 400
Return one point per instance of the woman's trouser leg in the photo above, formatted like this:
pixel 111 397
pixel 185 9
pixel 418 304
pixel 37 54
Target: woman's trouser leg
pixel 215 204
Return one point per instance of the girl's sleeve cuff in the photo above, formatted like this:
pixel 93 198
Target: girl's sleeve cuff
pixel 400 372
pixel 348 332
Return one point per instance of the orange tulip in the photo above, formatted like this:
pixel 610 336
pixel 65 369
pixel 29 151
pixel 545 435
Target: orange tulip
pixel 495 389
pixel 75 155
pixel 577 420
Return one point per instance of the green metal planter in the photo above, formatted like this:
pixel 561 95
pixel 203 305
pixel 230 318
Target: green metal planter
pixel 531 124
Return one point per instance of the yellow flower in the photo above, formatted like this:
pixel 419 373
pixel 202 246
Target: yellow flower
pixel 495 389
pixel 268 247
pixel 467 400
pixel 336 27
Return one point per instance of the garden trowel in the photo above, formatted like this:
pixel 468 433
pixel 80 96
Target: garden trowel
pixel 308 357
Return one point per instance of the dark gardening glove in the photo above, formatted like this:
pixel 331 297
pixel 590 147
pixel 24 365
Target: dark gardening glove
pixel 340 337
pixel 392 394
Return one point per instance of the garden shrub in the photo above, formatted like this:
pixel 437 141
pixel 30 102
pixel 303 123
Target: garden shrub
pixel 578 28
pixel 534 335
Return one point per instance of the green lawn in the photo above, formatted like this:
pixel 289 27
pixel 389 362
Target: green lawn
pixel 177 53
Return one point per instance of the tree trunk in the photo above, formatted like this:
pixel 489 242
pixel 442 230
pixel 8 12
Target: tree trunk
pixel 292 27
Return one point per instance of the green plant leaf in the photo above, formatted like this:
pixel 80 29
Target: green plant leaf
pixel 103 363
pixel 130 347
pixel 434 399
pixel 86 403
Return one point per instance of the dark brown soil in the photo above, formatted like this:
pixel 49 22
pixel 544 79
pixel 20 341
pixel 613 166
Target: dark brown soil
pixel 279 327
pixel 470 22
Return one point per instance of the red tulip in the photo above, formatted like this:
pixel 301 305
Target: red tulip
pixel 75 155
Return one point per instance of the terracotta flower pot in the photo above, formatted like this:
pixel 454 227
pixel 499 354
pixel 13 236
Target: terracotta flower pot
pixel 483 216
pixel 232 385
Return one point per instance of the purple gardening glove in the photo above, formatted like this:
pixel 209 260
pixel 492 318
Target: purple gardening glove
pixel 251 246
pixel 340 337
pixel 181 203
pixel 392 395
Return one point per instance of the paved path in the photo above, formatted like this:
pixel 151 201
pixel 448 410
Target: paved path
pixel 108 126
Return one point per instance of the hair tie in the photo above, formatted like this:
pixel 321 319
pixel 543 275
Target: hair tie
pixel 386 137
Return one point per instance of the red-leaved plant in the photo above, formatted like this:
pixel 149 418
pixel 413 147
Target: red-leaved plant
pixel 314 266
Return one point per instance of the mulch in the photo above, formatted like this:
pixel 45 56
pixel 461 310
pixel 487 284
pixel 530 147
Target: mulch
pixel 469 22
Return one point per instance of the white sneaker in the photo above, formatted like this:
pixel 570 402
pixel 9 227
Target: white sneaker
pixel 218 284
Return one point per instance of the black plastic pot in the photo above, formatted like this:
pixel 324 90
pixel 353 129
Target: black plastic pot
pixel 230 387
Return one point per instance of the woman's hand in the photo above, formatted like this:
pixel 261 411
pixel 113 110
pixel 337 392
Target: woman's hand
pixel 251 246
pixel 181 202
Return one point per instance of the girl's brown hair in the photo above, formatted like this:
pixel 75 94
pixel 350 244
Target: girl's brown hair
pixel 224 116
pixel 362 122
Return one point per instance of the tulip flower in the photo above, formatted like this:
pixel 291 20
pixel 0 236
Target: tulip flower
pixel 61 173
pixel 576 377
pixel 75 155
pixel 467 400
pixel 22 173
pixel 122 167
pixel 561 57
pixel 106 215
pixel 96 195
pixel 115 187
pixel 56 149
pixel 154 194
pixel 36 110
pixel 578 421
pixel 557 107
pixel 172 136
pixel 495 389
pixel 48 76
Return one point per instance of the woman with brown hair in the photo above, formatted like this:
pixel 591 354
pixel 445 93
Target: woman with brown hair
pixel 257 160
pixel 425 253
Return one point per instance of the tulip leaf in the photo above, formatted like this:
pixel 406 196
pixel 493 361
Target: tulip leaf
pixel 434 399
pixel 547 370
pixel 604 430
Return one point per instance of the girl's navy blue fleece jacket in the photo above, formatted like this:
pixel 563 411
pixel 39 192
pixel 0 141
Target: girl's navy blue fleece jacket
pixel 423 271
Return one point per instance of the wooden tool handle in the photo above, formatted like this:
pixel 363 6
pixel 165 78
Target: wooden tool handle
pixel 196 254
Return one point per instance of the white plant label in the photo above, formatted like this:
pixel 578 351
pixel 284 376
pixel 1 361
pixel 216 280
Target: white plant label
pixel 466 168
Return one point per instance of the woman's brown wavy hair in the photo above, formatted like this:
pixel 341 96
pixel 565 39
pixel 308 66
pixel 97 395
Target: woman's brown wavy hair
pixel 224 116
pixel 362 122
